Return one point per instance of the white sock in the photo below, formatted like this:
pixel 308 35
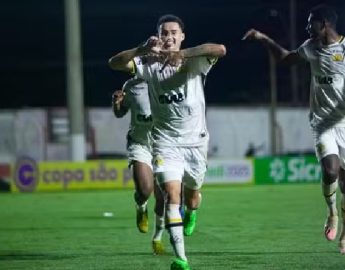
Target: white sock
pixel 175 228
pixel 158 228
pixel 330 194
pixel 142 207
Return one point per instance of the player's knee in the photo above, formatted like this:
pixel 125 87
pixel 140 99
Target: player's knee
pixel 173 197
pixel 146 191
pixel 330 174
pixel 330 168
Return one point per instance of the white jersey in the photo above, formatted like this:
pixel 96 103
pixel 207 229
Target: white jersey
pixel 327 89
pixel 137 101
pixel 177 100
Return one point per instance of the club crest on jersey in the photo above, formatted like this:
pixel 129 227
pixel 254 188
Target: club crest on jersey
pixel 320 148
pixel 324 79
pixel 337 57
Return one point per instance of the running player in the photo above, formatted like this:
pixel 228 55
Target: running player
pixel 324 50
pixel 134 98
pixel 180 137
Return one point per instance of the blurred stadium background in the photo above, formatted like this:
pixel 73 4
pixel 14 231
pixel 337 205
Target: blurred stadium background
pixel 238 91
pixel 259 134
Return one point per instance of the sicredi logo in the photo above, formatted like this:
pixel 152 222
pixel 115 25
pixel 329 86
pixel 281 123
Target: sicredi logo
pixel 26 174
pixel 294 170
pixel 277 170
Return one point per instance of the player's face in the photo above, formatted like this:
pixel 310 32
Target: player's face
pixel 171 35
pixel 314 28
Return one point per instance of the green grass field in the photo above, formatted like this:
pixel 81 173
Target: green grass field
pixel 251 227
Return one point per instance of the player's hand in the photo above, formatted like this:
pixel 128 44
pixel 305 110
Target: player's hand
pixel 254 34
pixel 173 58
pixel 151 46
pixel 117 98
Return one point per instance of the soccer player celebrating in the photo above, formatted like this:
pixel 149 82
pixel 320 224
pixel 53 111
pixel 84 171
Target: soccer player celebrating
pixel 180 138
pixel 134 97
pixel 324 50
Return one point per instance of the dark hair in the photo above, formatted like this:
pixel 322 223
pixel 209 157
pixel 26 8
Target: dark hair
pixel 170 18
pixel 325 13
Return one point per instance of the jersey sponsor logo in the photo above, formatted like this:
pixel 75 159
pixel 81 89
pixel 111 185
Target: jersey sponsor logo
pixel 144 118
pixel 170 98
pixel 320 148
pixel 324 79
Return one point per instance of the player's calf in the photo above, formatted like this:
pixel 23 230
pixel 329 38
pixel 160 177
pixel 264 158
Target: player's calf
pixel 342 235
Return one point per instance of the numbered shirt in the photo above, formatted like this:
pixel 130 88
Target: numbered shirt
pixel 327 90
pixel 137 101
pixel 177 100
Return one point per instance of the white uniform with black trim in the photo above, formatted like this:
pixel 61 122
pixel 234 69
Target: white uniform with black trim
pixel 139 134
pixel 327 96
pixel 179 133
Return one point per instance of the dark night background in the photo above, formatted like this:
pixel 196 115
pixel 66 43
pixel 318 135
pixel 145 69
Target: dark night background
pixel 33 53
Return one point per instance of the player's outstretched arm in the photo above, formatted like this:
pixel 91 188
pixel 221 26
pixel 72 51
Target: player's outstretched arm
pixel 280 53
pixel 119 109
pixel 207 49
pixel 123 60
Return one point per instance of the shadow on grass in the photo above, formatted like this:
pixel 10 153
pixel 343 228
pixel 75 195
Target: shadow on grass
pixel 231 253
pixel 92 227
pixel 31 256
pixel 21 255
pixel 102 217
pixel 239 253
pixel 18 255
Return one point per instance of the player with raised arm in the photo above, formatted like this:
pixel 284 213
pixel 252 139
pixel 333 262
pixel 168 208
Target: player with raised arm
pixel 134 98
pixel 324 51
pixel 180 137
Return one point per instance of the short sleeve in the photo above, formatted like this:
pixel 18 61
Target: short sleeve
pixel 201 64
pixel 130 88
pixel 127 89
pixel 303 49
pixel 140 68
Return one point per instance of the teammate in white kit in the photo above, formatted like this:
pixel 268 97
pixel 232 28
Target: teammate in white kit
pixel 180 137
pixel 134 98
pixel 325 52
